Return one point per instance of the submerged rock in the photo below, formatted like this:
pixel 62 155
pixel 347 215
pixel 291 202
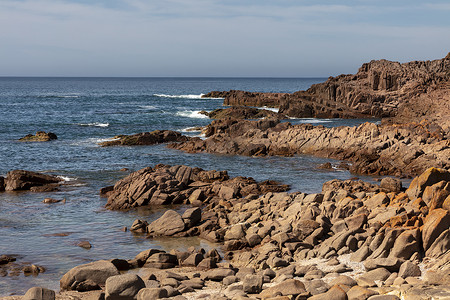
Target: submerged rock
pixel 40 136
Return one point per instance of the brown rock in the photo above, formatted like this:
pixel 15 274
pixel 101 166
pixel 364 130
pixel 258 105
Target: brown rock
pixel 24 180
pixel 125 286
pixel 360 293
pixel 428 178
pixel 39 293
pixel 84 244
pixel 96 272
pixel 435 223
pixel 168 224
pixel 146 138
pixel 41 136
pixel 335 293
pixel 286 288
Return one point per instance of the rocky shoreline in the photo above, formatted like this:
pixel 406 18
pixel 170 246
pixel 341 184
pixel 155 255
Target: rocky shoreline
pixel 353 240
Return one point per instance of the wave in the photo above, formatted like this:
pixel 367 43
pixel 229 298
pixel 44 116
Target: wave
pixel 96 124
pixel 191 129
pixel 147 107
pixel 58 96
pixel 91 142
pixel 200 96
pixel 192 114
pixel 311 120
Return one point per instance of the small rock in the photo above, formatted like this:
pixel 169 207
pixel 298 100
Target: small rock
pixel 124 286
pixel 152 293
pixel 84 244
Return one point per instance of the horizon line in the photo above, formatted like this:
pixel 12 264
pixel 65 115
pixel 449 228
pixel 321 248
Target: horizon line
pixel 175 77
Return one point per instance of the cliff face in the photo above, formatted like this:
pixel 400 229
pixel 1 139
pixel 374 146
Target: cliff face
pixel 383 89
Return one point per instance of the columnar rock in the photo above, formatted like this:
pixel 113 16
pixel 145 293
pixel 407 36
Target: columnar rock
pixel 408 91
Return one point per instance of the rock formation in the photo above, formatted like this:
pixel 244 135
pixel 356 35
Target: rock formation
pixel 19 180
pixel 242 112
pixel 400 150
pixel 145 138
pixel 165 184
pixel 409 92
pixel 41 136
pixel 270 242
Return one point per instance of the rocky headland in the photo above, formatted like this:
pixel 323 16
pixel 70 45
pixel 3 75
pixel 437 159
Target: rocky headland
pixel 145 138
pixel 242 112
pixel 384 89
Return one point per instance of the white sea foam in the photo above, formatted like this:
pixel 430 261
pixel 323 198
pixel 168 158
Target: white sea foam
pixel 190 129
pixel 96 124
pixel 192 114
pixel 91 142
pixel 311 120
pixel 184 96
pixel 274 109
pixel 67 178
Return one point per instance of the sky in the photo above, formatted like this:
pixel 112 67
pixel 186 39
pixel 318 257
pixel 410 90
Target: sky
pixel 220 38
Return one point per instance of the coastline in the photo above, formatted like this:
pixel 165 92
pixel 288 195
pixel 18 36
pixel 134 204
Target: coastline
pixel 398 235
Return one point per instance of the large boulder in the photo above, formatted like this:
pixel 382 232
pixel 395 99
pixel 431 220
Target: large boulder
pixel 168 224
pixel 289 287
pixel 123 287
pixel 406 244
pixel 18 180
pixel 435 223
pixel 39 293
pixel 94 273
pixel 427 178
pixel 440 245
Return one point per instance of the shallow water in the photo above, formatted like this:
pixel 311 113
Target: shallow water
pixel 85 111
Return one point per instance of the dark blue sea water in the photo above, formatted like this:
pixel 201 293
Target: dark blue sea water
pixel 85 111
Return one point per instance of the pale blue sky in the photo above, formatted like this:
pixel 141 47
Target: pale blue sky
pixel 283 38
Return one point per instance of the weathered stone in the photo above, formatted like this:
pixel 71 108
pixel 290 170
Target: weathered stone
pixel 193 260
pixel 236 232
pixel 168 224
pixel 383 297
pixel 360 293
pixel 335 293
pixel 343 280
pixel 376 274
pixel 356 222
pixel 192 216
pixel 391 264
pixel 218 274
pixel 152 293
pixel 124 287
pixel 391 184
pixel 25 180
pixel 409 269
pixel 97 272
pixel 162 261
pixel 406 244
pixel 39 293
pixel 427 178
pixel 440 245
pixel 286 288
pixel 252 284
pixel 435 223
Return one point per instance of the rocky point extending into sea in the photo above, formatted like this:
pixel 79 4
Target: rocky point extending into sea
pixel 353 240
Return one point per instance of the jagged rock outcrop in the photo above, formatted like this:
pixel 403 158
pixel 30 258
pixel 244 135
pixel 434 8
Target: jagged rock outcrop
pixel 165 184
pixel 239 98
pixel 409 92
pixel 20 180
pixel 41 136
pixel 400 150
pixel 146 138
pixel 242 112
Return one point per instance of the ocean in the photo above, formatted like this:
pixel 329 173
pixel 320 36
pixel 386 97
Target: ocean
pixel 85 111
